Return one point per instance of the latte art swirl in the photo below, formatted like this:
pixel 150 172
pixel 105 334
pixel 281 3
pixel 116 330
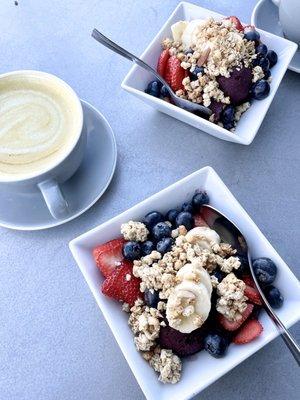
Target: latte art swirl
pixel 31 127
pixel 40 122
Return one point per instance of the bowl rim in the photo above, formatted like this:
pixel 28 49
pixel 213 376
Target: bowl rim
pixel 233 137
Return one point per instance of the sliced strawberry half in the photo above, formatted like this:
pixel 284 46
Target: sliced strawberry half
pixel 253 295
pixel 122 285
pixel 109 255
pixel 162 62
pixel 248 332
pixel 249 280
pixel 174 73
pixel 236 22
pixel 199 220
pixel 234 325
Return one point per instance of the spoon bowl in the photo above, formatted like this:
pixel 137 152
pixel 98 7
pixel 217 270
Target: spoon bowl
pixel 230 233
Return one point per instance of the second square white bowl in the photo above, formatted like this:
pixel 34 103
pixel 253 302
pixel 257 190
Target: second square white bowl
pixel 137 79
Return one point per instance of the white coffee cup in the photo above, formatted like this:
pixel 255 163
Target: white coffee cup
pixel 57 109
pixel 289 16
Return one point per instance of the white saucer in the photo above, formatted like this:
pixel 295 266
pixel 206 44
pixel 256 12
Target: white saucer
pixel 29 212
pixel 265 16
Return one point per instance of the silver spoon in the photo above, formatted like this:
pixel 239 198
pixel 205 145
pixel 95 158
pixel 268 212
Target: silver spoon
pixel 185 104
pixel 231 234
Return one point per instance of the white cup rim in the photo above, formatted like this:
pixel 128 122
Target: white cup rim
pixel 58 161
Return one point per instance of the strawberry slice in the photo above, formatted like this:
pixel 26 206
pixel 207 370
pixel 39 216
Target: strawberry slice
pixel 248 332
pixel 162 62
pixel 234 325
pixel 122 285
pixel 253 295
pixel 249 280
pixel 236 22
pixel 199 220
pixel 109 255
pixel 174 73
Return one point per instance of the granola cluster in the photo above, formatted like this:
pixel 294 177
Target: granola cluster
pixel 136 231
pixel 145 324
pixel 232 301
pixel 166 363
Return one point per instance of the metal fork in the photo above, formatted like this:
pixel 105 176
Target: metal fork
pixel 185 104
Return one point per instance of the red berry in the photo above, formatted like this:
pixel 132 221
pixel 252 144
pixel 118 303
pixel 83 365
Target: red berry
pixel 249 280
pixel 248 332
pixel 109 255
pixel 162 62
pixel 199 220
pixel 174 73
pixel 237 23
pixel 234 325
pixel 253 295
pixel 121 285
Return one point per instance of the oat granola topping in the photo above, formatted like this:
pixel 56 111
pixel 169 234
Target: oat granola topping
pixel 135 231
pixel 145 324
pixel 166 363
pixel 232 301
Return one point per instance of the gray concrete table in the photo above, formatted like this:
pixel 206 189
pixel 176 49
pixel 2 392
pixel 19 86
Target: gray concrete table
pixel 54 342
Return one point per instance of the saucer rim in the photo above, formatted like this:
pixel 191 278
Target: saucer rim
pixel 55 223
pixel 254 21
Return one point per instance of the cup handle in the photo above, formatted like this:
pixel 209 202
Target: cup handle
pixel 276 2
pixel 54 198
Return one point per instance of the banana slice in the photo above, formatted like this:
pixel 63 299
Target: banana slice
pixel 189 34
pixel 188 306
pixel 203 237
pixel 177 30
pixel 194 272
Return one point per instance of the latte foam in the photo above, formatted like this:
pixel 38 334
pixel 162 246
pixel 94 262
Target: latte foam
pixel 38 124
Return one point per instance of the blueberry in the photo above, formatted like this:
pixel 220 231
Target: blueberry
pixel 219 275
pixel 264 63
pixel 188 51
pixel 227 115
pixel 147 247
pixel 228 125
pixel 152 218
pixel 171 216
pixel 153 88
pixel 260 89
pixel 132 251
pixel 199 199
pixel 185 218
pixel 252 35
pixel 188 206
pixel 272 57
pixel 164 245
pixel 261 50
pixel 244 267
pixel 216 345
pixel 265 270
pixel 273 296
pixel 151 297
pixel 161 230
pixel 164 92
pixel 197 70
pixel 267 74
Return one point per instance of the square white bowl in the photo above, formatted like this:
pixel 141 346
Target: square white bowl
pixel 137 79
pixel 200 370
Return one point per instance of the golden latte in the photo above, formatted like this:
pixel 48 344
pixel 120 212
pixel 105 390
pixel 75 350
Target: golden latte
pixel 39 123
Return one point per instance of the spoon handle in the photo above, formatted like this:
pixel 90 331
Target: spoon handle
pixel 121 51
pixel 285 334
